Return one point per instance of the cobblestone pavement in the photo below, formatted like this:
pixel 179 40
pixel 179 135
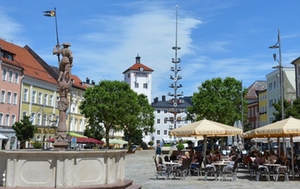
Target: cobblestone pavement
pixel 140 168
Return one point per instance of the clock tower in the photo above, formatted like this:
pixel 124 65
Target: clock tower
pixel 139 77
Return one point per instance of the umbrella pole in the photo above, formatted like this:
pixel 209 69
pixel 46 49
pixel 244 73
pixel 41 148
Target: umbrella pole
pixel 205 147
pixel 269 144
pixel 292 151
pixel 279 146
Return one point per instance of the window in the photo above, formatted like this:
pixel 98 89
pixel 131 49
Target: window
pixel 128 75
pixel 158 111
pixel 16 77
pixel 33 97
pixel 3 96
pixel 13 119
pixel 158 121
pixel 44 120
pixel 4 74
pixel 40 98
pixel 25 97
pixel 1 119
pixel 15 98
pixel 136 85
pixel 158 132
pixel 24 114
pixel 46 99
pixel 165 111
pixel 145 85
pixel 10 76
pixel 7 120
pixel 165 120
pixel 8 97
pixel 32 118
pixel 51 100
pixel 165 132
pixel 39 121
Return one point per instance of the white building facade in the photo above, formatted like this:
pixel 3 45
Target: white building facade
pixel 164 119
pixel 273 88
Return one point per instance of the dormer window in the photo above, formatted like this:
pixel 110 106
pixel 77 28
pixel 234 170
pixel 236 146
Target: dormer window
pixel 6 54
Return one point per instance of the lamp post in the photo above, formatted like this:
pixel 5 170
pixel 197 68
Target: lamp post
pixel 278 46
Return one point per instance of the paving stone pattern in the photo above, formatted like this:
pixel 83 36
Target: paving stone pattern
pixel 140 168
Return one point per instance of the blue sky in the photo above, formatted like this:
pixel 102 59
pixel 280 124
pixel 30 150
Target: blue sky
pixel 217 38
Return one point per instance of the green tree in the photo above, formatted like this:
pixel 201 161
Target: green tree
pixel 113 106
pixel 140 120
pixel 291 108
pixel 219 100
pixel 93 131
pixel 24 130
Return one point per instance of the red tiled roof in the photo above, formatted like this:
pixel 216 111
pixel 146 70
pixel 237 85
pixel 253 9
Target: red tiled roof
pixel 10 62
pixel 31 66
pixel 137 66
pixel 78 83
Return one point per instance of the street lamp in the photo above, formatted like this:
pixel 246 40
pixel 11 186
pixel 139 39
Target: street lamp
pixel 278 46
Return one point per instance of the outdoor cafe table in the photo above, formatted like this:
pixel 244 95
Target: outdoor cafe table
pixel 272 166
pixel 219 167
pixel 170 167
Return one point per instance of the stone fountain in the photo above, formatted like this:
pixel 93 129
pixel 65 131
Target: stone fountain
pixel 62 168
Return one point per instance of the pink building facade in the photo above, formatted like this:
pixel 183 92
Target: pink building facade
pixel 10 87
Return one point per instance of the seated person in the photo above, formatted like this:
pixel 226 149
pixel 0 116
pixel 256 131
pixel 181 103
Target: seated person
pixel 216 156
pixel 197 160
pixel 282 159
pixel 272 158
pixel 166 158
pixel 208 158
pixel 185 156
pixel 173 156
pixel 259 160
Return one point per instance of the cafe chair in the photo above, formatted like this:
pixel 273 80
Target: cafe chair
pixel 210 169
pixel 281 170
pixel 161 170
pixel 184 169
pixel 230 169
pixel 198 169
pixel 262 170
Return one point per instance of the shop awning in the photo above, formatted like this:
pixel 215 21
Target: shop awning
pixel 2 136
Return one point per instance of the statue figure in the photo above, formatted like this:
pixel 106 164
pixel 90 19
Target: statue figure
pixel 66 62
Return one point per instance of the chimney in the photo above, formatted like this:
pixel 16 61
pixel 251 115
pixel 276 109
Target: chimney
pixel 155 99
pixel 93 82
pixel 137 59
pixel 163 98
pixel 87 80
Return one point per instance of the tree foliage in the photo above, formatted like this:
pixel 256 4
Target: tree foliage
pixel 24 130
pixel 114 106
pixel 291 108
pixel 93 131
pixel 139 121
pixel 219 100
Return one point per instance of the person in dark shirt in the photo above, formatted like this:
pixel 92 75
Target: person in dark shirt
pixel 173 156
pixel 158 149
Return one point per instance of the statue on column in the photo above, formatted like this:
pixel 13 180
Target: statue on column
pixel 65 63
pixel 64 87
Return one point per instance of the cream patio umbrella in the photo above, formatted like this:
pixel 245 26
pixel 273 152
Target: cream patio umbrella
pixel 205 128
pixel 289 127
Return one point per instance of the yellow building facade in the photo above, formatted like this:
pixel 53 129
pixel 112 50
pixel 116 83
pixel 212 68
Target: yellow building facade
pixel 262 104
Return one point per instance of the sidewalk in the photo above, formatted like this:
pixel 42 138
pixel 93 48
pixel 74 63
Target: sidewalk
pixel 140 168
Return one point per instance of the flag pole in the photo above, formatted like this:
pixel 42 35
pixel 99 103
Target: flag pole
pixel 57 40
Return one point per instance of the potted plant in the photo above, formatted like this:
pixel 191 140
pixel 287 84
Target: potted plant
pixel 180 147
